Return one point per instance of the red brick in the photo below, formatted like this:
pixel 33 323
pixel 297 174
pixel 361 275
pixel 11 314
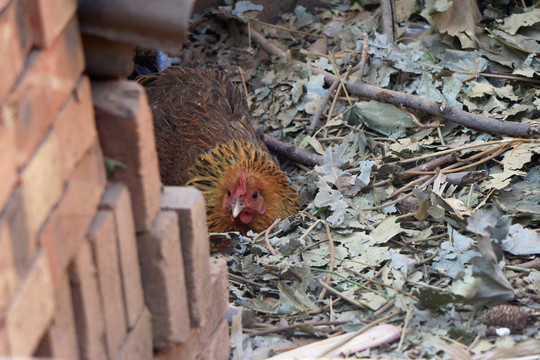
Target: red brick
pixel 49 18
pixel 15 217
pixel 75 126
pixel 66 227
pixel 7 163
pixel 41 183
pixel 8 274
pixel 60 341
pixel 14 32
pixel 126 133
pixel 163 281
pixel 203 343
pixel 186 351
pixel 189 203
pixel 218 346
pixel 219 301
pixel 107 58
pixel 138 343
pixel 3 4
pixel 102 236
pixel 117 199
pixel 47 82
pixel 87 306
pixel 32 309
pixel 4 343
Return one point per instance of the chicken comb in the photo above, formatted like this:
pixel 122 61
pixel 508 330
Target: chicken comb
pixel 242 183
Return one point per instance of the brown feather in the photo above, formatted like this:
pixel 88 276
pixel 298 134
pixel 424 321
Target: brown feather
pixel 204 137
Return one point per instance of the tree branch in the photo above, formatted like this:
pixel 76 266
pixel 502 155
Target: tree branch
pixel 447 112
pixel 292 152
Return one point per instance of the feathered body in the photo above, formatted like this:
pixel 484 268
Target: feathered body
pixel 204 138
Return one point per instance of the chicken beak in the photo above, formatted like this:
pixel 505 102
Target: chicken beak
pixel 237 207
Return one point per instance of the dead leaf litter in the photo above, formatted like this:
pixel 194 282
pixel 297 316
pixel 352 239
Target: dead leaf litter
pixel 411 218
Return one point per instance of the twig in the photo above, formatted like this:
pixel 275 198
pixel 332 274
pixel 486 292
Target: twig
pixel 284 28
pixel 466 178
pixel 335 84
pixel 388 23
pixel 460 148
pixel 309 229
pixel 360 285
pixel 469 198
pixel 417 122
pixel 404 216
pixel 323 308
pixel 389 304
pixel 425 184
pixel 434 237
pixel 474 121
pixel 389 203
pixel 334 101
pixel 405 324
pixel 410 184
pixel 331 138
pixel 243 83
pixel 426 260
pixel 362 65
pixel 317 117
pixel 332 258
pixel 427 286
pixel 378 183
pixel 249 34
pixel 340 79
pixel 471 318
pixel 481 161
pixel 267 240
pixel 439 132
pixel 380 283
pixel 533 264
pixel 244 280
pixel 430 165
pixel 294 326
pixel 266 44
pixel 292 152
pixel 507 43
pixel 343 296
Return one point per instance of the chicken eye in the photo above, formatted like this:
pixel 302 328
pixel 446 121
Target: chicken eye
pixel 229 193
pixel 254 195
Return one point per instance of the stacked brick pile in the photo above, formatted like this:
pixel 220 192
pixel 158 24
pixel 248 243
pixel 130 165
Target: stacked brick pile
pixel 92 268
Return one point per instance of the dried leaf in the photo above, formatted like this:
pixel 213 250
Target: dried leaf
pixel 456 17
pixel 515 21
pixel 385 118
pixel 521 241
pixel 386 230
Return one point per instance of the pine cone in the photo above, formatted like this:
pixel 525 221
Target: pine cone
pixel 508 316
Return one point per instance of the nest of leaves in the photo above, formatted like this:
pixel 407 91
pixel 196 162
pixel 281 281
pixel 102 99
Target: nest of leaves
pixel 425 211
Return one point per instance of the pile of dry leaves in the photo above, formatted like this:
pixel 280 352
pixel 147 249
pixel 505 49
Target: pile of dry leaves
pixel 425 210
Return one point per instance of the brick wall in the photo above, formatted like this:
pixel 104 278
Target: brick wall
pixel 90 267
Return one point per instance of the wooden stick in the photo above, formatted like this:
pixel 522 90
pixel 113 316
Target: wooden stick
pixel 292 152
pixel 317 117
pixel 447 112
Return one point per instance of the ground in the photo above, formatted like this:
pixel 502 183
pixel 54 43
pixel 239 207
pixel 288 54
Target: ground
pixel 425 213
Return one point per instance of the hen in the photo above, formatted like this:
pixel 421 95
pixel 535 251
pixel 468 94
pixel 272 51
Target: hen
pixel 204 138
